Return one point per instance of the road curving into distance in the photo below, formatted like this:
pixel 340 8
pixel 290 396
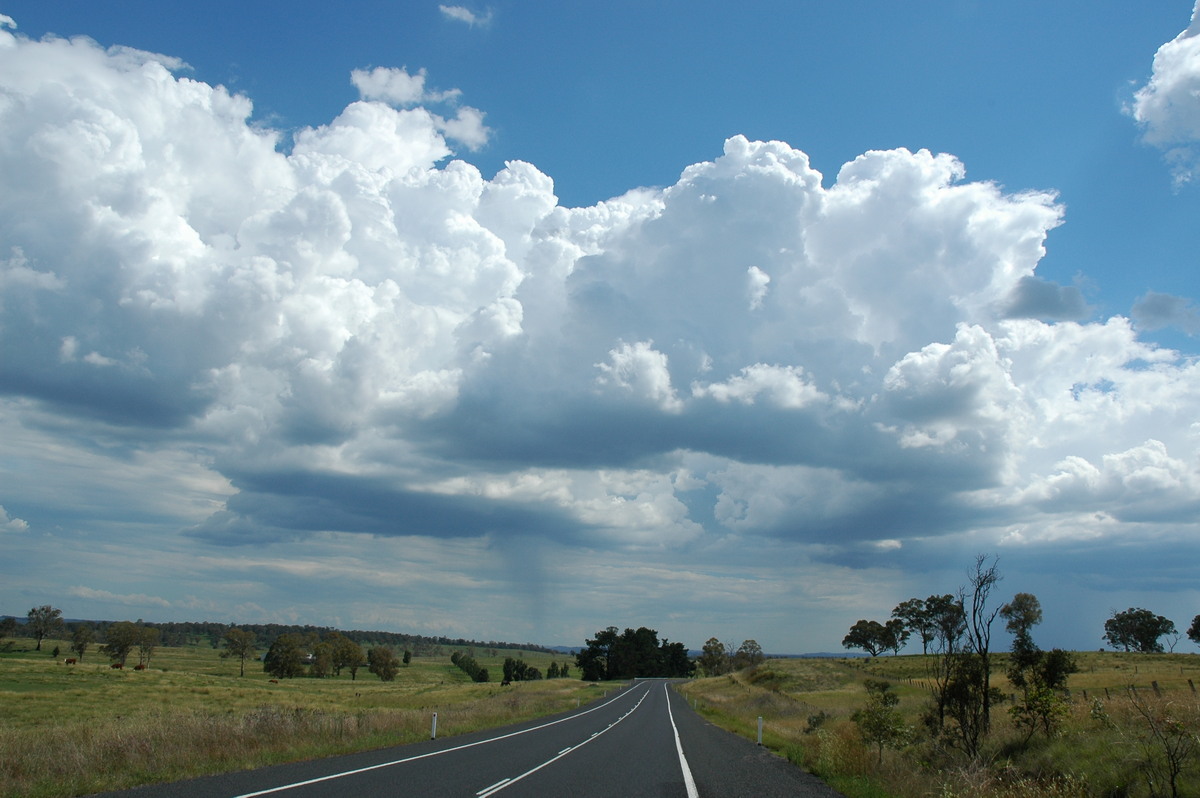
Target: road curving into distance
pixel 644 741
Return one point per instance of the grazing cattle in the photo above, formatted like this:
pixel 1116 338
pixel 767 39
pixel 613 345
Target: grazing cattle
pixel 274 681
pixel 506 683
pixel 116 666
pixel 139 667
pixel 71 661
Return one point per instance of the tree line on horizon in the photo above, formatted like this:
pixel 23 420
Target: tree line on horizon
pixel 46 621
pixel 297 651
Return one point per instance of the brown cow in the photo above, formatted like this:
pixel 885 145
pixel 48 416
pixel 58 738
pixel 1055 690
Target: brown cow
pixel 71 661
pixel 116 666
pixel 139 667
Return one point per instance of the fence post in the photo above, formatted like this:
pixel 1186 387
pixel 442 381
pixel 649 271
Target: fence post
pixel 433 732
pixel 760 729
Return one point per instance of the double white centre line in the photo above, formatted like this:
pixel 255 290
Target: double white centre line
pixel 393 763
pixel 688 782
pixel 500 785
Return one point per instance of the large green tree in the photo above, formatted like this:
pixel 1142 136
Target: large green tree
pixel 119 639
pixel 949 622
pixel 517 670
pixel 383 663
pixel 674 661
pixel 748 655
pixel 635 654
pixel 917 619
pixel 632 654
pixel 715 658
pixel 595 659
pixel 285 657
pixel 871 636
pixel 1137 629
pixel 242 644
pixel 347 655
pixel 148 639
pixel 1020 615
pixel 43 622
pixel 81 639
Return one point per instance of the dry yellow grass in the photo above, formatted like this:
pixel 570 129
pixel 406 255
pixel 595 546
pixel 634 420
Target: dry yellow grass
pixel 77 729
pixel 1105 747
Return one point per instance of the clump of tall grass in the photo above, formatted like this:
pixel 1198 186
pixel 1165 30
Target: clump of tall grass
pixel 81 758
pixel 76 759
pixel 973 781
pixel 1112 741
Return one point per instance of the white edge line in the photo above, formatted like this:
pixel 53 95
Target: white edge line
pixel 688 781
pixel 369 768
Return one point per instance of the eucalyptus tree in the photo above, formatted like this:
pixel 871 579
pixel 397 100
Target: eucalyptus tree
pixel 242 644
pixel 42 622
pixel 1137 629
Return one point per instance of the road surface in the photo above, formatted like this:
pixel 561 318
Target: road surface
pixel 642 742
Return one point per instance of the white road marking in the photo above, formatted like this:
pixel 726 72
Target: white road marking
pixel 381 765
pixel 487 790
pixel 509 782
pixel 688 781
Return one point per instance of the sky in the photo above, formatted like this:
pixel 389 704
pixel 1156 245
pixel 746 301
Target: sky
pixel 517 321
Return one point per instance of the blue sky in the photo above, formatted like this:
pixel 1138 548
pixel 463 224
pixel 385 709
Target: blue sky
pixel 520 320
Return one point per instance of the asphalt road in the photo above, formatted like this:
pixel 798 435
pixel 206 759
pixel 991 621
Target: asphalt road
pixel 643 742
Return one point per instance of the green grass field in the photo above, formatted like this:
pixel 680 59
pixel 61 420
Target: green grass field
pixel 1105 746
pixel 78 729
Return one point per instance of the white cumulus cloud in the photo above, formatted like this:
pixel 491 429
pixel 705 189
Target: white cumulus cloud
pixel 399 87
pixel 11 525
pixel 364 342
pixel 1168 106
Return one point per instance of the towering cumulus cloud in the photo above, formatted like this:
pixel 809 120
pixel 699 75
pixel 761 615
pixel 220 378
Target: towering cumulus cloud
pixel 1168 107
pixel 363 336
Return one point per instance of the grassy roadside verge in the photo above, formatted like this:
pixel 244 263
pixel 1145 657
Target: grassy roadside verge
pixel 1112 741
pixel 69 730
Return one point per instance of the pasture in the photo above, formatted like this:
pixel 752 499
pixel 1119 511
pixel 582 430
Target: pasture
pixel 78 729
pixel 1105 746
